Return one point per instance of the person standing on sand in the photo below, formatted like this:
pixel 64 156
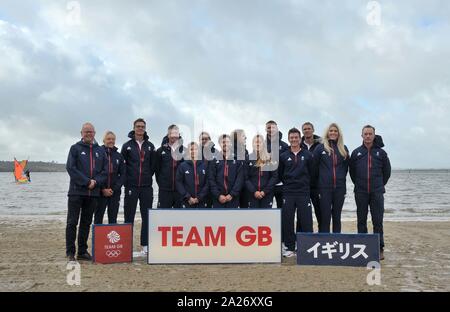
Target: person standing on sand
pixel 310 141
pixel 168 158
pixel 296 173
pixel 208 151
pixel 370 170
pixel 261 175
pixel 192 179
pixel 238 141
pixel 331 164
pixel 140 157
pixel 87 168
pixel 110 194
pixel 226 176
pixel 274 138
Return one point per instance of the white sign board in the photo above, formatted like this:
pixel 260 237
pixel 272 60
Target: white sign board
pixel 214 236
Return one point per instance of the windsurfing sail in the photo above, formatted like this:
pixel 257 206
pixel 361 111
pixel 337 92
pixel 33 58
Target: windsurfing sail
pixel 19 168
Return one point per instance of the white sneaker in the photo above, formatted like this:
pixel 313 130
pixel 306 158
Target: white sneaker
pixel 144 250
pixel 288 253
pixel 284 248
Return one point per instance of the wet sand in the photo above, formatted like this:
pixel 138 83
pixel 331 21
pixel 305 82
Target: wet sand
pixel 32 258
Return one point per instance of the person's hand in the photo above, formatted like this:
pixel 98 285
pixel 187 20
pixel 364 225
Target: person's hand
pixel 229 198
pixel 196 201
pixel 257 195
pixel 107 192
pixel 262 194
pixel 92 184
pixel 222 199
pixel 191 201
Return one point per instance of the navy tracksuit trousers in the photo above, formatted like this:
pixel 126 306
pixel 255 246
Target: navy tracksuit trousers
pixel 145 196
pixel 112 203
pixel 331 203
pixel 169 199
pixel 301 204
pixel 376 203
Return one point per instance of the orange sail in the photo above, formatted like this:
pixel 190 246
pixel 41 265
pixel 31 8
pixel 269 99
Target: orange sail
pixel 18 171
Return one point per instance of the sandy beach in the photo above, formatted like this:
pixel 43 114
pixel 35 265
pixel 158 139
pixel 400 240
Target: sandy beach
pixel 32 258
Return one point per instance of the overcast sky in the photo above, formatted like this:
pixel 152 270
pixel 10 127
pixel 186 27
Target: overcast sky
pixel 227 64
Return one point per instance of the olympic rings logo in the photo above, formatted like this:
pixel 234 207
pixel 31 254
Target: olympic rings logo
pixel 113 253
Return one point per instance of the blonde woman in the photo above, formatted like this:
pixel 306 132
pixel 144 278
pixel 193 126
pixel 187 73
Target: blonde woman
pixel 260 179
pixel 110 193
pixel 331 159
pixel 238 140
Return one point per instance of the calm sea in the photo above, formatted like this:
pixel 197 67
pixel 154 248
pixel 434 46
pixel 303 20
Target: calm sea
pixel 411 196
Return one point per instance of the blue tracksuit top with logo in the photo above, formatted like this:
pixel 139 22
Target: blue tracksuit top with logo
pixel 259 178
pixel 226 177
pixel 192 181
pixel 116 173
pixel 86 162
pixel 140 162
pixel 166 166
pixel 296 172
pixel 332 168
pixel 370 170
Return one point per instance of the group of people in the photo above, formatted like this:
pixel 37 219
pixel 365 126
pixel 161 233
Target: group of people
pixel 309 173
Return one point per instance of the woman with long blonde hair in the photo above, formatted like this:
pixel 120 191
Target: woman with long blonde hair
pixel 331 159
pixel 261 175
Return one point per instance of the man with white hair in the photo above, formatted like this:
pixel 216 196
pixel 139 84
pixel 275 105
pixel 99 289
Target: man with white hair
pixel 87 168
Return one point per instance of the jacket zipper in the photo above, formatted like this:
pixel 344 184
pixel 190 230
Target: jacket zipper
pixel 109 168
pixel 140 163
pixel 369 166
pixel 173 174
pixel 90 164
pixel 225 176
pixel 195 178
pixel 334 167
pixel 259 179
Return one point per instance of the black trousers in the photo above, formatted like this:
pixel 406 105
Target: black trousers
pixel 112 203
pixel 145 197
pixel 278 194
pixel 314 196
pixel 331 203
pixel 376 203
pixel 232 204
pixel 301 205
pixel 208 201
pixel 265 202
pixel 169 199
pixel 244 198
pixel 80 209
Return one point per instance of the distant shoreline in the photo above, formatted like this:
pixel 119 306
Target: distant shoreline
pixel 34 166
pixel 43 166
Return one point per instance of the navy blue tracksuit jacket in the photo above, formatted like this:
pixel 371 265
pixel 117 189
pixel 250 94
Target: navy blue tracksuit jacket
pixel 257 179
pixel 116 173
pixel 331 168
pixel 166 167
pixel 370 170
pixel 140 162
pixel 86 162
pixel 296 172
pixel 192 181
pixel 225 176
